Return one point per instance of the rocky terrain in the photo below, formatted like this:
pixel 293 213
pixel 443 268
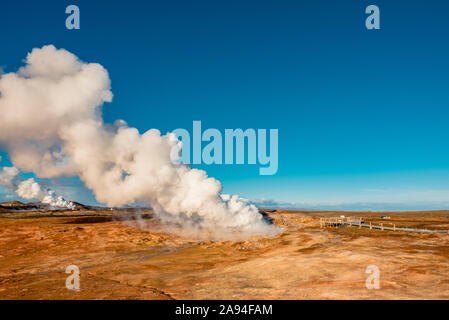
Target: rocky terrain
pixel 129 254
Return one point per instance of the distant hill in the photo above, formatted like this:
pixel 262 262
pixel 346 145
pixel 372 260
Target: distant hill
pixel 79 206
pixel 11 204
pixel 17 205
pixel 14 206
pixel 36 206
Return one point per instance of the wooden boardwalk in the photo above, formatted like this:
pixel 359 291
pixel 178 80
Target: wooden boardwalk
pixel 357 222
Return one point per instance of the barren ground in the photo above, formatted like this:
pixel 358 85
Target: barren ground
pixel 118 260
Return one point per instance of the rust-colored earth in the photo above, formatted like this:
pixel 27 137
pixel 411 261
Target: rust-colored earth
pixel 119 259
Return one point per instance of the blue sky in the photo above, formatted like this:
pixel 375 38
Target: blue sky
pixel 362 114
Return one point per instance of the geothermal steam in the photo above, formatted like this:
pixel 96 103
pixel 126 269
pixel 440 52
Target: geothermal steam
pixel 51 125
pixel 30 189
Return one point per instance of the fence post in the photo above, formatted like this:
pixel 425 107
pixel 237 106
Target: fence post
pixel 382 226
pixel 394 227
pixel 370 226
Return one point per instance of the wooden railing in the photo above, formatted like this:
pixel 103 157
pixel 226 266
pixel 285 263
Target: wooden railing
pixel 335 222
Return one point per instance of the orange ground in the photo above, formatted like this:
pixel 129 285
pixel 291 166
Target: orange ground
pixel 118 260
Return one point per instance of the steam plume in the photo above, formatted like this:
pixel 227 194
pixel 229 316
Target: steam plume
pixel 30 189
pixel 7 176
pixel 51 125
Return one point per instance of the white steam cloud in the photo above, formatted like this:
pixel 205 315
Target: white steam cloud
pixel 30 189
pixel 7 176
pixel 51 125
pixel 55 201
